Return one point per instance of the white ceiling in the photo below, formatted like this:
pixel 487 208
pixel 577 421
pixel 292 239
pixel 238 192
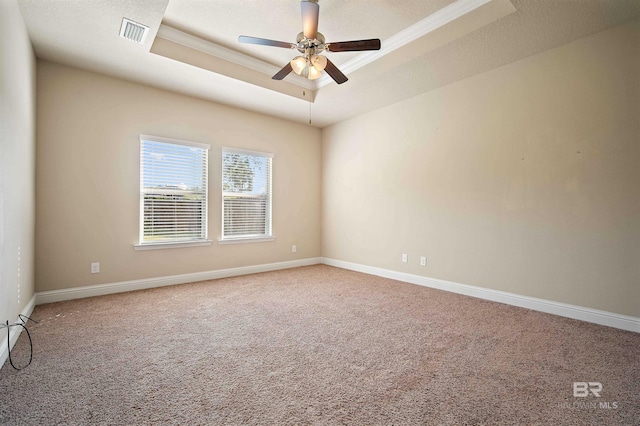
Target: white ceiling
pixel 281 20
pixel 425 45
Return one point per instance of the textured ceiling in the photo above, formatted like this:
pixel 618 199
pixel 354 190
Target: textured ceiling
pixel 340 20
pixel 84 34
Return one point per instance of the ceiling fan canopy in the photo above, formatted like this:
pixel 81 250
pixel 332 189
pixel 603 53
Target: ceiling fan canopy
pixel 311 43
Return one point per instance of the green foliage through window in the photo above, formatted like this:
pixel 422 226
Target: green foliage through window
pixel 246 194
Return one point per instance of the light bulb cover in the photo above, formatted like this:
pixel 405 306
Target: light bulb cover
pixel 319 62
pixel 298 64
pixel 314 73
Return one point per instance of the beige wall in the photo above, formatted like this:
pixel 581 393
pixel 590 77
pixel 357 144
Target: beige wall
pixel 17 164
pixel 88 179
pixel 523 179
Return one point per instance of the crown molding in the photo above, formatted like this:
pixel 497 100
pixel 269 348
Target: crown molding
pixel 230 55
pixel 421 28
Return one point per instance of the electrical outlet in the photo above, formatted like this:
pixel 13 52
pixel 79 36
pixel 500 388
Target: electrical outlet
pixel 294 248
pixel 405 258
pixel 95 268
pixel 423 261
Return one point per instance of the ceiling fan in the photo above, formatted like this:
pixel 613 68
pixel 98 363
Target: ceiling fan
pixel 311 43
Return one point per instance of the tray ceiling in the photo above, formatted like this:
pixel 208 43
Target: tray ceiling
pixel 192 45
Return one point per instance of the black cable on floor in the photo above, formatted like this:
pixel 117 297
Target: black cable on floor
pixel 22 323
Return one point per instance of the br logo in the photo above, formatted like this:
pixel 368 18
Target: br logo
pixel 582 389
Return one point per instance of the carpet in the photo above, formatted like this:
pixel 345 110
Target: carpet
pixel 316 345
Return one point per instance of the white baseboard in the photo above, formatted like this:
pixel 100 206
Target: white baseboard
pixel 595 316
pixel 14 332
pixel 120 287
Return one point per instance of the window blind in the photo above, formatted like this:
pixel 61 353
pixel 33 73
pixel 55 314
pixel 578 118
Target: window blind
pixel 173 191
pixel 246 194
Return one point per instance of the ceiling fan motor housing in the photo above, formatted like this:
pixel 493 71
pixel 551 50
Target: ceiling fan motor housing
pixel 314 46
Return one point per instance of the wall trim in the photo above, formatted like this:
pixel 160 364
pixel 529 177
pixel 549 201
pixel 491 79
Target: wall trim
pixel 595 316
pixel 436 20
pixel 15 332
pixel 51 296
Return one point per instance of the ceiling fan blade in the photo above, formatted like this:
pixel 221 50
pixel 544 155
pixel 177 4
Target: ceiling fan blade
pixel 353 46
pixel 335 73
pixel 310 13
pixel 265 42
pixel 283 72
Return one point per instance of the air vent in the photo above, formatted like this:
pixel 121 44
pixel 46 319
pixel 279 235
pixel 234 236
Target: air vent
pixel 133 31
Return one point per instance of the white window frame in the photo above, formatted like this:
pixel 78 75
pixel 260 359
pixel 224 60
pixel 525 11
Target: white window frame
pixel 147 245
pixel 268 236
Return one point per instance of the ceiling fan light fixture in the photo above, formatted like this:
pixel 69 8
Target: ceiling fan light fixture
pixel 310 42
pixel 299 63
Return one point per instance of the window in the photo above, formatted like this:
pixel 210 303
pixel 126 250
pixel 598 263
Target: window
pixel 173 192
pixel 246 195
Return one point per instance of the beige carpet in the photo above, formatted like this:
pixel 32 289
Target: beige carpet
pixel 315 345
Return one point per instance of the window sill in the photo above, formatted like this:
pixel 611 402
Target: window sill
pixel 158 246
pixel 246 240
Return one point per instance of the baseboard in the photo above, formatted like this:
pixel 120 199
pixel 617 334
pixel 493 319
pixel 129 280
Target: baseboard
pixel 15 332
pixel 42 297
pixel 595 316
